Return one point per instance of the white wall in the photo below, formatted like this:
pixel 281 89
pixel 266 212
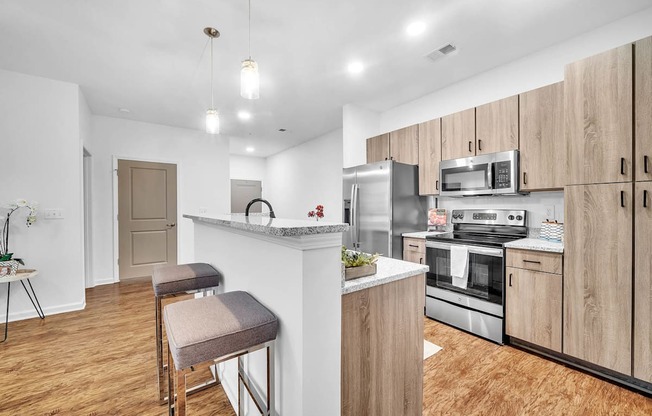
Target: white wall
pixel 42 161
pixel 300 178
pixel 202 168
pixel 359 124
pixel 247 168
pixel 533 71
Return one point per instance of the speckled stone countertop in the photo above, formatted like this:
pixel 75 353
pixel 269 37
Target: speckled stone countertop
pixel 536 244
pixel 280 227
pixel 422 234
pixel 388 270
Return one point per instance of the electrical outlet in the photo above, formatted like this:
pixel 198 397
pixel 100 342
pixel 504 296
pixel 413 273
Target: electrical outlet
pixel 550 212
pixel 203 210
pixel 52 214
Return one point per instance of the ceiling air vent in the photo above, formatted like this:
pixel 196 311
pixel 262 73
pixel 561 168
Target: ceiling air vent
pixel 439 52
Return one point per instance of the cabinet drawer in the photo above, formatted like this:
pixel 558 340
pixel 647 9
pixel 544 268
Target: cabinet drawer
pixel 540 261
pixel 414 244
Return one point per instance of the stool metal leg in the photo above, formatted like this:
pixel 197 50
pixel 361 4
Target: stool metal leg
pixel 170 387
pixel 7 315
pixel 180 406
pixel 270 379
pixel 160 365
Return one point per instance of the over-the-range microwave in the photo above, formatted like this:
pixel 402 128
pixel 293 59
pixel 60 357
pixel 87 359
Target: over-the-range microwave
pixel 490 174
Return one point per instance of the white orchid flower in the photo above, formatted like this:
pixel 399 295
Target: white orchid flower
pixel 21 202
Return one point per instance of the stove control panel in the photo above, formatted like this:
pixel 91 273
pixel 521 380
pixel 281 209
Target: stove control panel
pixel 490 217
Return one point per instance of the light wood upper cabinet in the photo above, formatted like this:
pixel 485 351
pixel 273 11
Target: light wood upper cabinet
pixel 598 274
pixel 458 135
pixel 429 156
pixel 643 282
pixel 378 148
pixel 598 105
pixel 542 142
pixel 533 307
pixel 497 126
pixel 643 109
pixel 404 145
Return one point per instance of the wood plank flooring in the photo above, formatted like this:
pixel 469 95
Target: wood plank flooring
pixel 102 361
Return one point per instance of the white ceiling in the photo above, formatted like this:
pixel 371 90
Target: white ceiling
pixel 149 55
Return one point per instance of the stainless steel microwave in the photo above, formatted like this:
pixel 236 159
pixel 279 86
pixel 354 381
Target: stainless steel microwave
pixel 490 174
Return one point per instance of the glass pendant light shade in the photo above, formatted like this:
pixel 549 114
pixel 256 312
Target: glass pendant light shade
pixel 212 122
pixel 249 80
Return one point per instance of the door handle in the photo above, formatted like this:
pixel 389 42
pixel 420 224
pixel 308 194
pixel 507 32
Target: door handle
pixel 510 280
pixel 622 165
pixel 622 199
pixel 644 198
pixel 170 225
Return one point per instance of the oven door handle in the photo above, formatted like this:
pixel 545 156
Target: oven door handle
pixel 493 252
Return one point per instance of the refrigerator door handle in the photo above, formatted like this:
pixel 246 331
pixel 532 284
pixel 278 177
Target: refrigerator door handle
pixel 354 214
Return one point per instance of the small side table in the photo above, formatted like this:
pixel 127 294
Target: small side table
pixel 22 275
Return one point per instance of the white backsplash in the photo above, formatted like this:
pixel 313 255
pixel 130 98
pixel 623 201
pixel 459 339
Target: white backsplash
pixel 535 204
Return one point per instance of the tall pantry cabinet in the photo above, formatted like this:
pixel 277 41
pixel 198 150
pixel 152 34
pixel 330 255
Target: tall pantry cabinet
pixel 607 281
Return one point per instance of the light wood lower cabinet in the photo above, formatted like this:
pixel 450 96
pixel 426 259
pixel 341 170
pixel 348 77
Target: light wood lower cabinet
pixel 382 349
pixel 643 282
pixel 414 250
pixel 598 274
pixel 533 307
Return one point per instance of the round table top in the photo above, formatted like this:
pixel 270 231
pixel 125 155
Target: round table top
pixel 20 275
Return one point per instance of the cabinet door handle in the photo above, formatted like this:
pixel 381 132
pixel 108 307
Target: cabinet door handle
pixel 386 159
pixel 413 245
pixel 510 280
pixel 480 145
pixel 524 178
pixel 622 199
pixel 470 146
pixel 645 161
pixel 437 185
pixel 644 198
pixel 420 260
pixel 531 261
pixel 622 165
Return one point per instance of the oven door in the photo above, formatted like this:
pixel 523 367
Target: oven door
pixel 485 273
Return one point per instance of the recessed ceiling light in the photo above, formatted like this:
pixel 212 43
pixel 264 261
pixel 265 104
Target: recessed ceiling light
pixel 250 149
pixel 355 67
pixel 244 115
pixel 124 110
pixel 415 28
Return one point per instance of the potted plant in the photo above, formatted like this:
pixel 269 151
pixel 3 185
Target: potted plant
pixel 9 264
pixel 357 264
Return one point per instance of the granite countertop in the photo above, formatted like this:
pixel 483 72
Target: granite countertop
pixel 388 270
pixel 422 234
pixel 280 227
pixel 536 244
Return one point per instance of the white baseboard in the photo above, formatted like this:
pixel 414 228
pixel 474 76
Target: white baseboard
pixel 101 282
pixel 51 310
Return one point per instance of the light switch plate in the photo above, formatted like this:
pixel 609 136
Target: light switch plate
pixel 550 212
pixel 52 214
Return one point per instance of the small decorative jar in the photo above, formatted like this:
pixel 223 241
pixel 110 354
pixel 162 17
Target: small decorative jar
pixel 8 268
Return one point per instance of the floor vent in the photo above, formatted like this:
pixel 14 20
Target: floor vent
pixel 440 52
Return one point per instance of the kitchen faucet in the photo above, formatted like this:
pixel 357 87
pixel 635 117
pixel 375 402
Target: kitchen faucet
pixel 271 210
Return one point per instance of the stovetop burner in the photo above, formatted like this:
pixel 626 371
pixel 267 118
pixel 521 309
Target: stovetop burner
pixel 492 228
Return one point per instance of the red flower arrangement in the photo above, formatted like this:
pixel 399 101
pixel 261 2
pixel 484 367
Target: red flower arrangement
pixel 318 213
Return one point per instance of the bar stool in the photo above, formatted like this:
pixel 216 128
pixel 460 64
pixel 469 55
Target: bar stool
pixel 171 281
pixel 215 329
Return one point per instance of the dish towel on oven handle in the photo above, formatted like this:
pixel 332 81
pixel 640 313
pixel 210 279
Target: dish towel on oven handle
pixel 459 266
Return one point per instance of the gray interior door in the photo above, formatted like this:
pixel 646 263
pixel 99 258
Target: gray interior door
pixel 374 208
pixel 243 191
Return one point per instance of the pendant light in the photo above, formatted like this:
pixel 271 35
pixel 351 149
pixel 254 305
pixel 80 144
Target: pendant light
pixel 212 117
pixel 249 76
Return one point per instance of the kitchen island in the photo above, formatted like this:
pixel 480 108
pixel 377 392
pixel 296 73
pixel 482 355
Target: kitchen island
pixel 293 267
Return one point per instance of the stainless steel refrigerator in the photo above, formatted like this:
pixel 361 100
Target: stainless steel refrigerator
pixel 381 202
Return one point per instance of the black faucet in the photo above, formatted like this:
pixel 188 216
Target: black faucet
pixel 271 210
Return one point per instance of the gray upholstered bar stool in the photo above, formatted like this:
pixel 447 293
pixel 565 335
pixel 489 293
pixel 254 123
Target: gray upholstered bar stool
pixel 170 281
pixel 215 329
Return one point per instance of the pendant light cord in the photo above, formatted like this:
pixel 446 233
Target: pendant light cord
pixel 212 104
pixel 250 30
